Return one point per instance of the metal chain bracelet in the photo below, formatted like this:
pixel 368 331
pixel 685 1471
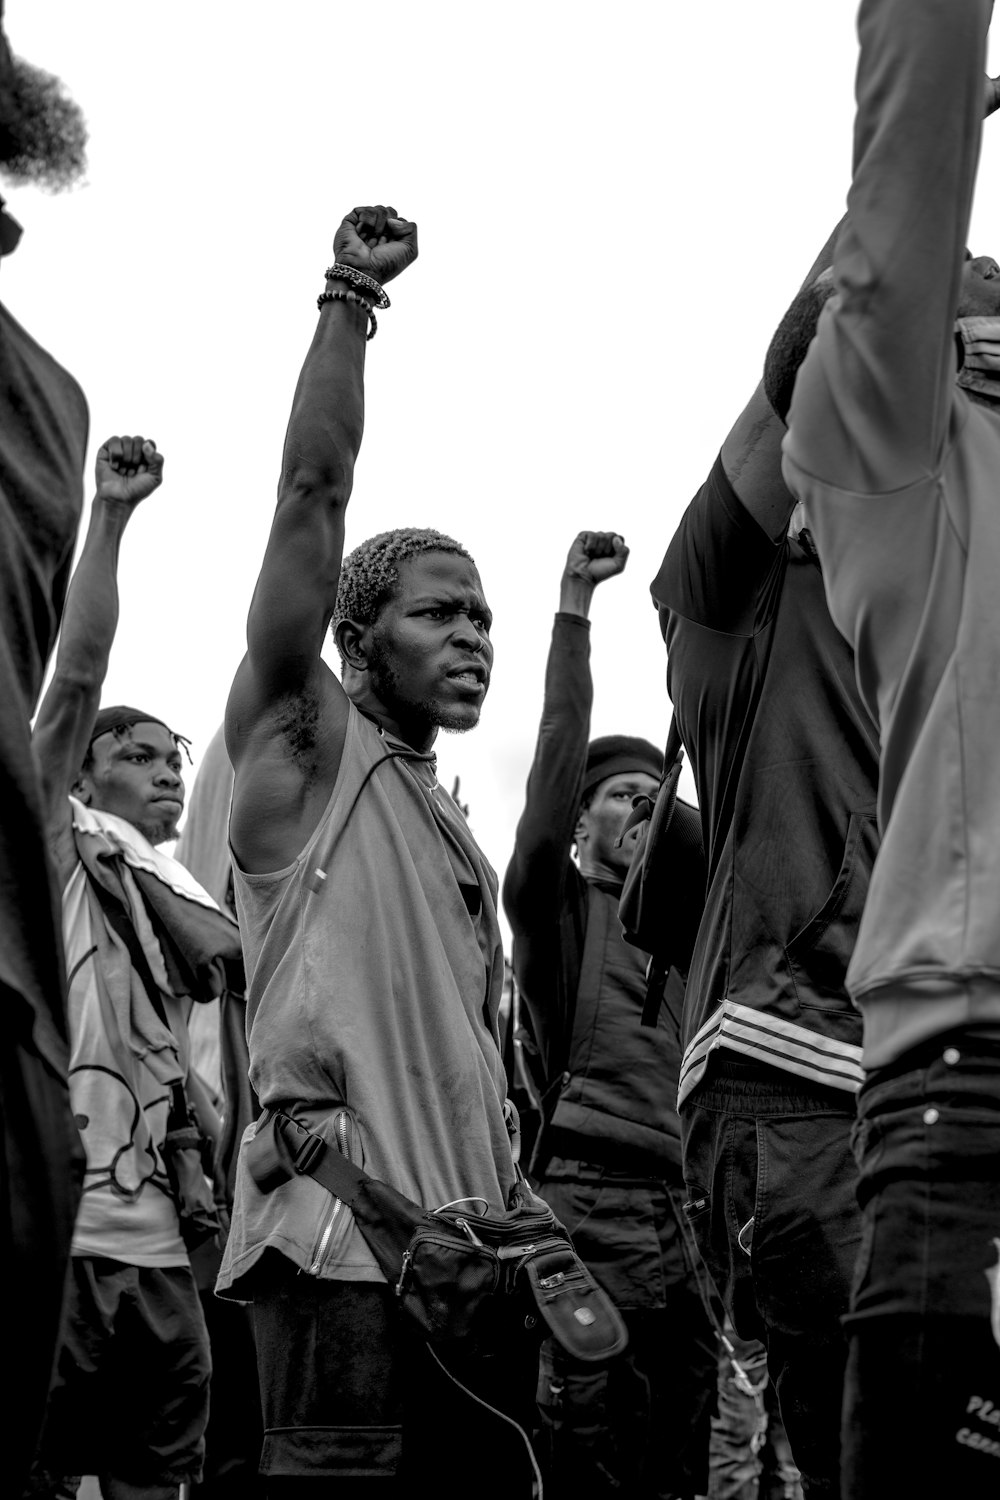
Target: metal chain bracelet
pixel 358 278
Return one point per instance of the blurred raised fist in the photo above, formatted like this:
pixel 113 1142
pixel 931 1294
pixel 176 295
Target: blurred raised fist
pixel 596 555
pixel 128 469
pixel 456 797
pixel 376 241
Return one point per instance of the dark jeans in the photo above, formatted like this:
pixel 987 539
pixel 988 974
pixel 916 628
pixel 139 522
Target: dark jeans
pixel 922 1403
pixel 637 1427
pixel 353 1398
pixel 771 1185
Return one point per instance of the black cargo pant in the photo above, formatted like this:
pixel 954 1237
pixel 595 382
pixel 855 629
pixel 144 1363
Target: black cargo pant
pixel 771 1200
pixel 636 1427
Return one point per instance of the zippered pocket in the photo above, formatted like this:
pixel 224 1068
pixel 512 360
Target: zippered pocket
pixel 449 1285
pixel 336 1222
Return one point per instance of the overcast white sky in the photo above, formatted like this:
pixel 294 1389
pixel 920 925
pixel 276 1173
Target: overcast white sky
pixel 615 204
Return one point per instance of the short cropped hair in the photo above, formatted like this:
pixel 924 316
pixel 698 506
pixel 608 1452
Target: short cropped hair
pixel 790 345
pixel 369 575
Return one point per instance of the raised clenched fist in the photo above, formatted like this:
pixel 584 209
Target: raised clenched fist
pixel 376 241
pixel 128 469
pixel 595 556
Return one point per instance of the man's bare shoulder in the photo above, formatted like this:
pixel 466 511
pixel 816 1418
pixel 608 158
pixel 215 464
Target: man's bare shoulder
pixel 286 755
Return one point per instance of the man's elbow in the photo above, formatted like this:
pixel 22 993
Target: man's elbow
pixel 76 680
pixel 308 485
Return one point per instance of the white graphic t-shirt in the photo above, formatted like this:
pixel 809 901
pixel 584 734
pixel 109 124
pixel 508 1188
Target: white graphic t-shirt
pixel 127 1212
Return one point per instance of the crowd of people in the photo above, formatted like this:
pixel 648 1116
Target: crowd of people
pixel 229 1073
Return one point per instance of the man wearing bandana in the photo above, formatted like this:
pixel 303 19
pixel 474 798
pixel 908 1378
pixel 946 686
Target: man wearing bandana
pixel 129 1399
pixel 898 468
pixel 43 436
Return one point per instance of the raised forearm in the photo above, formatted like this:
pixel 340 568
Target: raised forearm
pixel 328 411
pixel 544 837
pixel 90 618
pixel 575 595
pixel 873 399
pixel 72 699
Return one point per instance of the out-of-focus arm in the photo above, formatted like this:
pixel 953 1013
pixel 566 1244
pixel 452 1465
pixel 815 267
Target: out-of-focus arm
pixel 875 400
pixel 874 397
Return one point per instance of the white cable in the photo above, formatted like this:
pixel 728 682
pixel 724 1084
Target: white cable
pixel 501 1414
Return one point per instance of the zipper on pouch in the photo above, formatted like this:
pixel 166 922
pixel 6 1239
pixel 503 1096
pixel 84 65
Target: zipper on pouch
pixel 334 1214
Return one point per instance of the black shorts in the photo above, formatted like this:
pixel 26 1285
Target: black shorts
pixel 350 1390
pixel 129 1399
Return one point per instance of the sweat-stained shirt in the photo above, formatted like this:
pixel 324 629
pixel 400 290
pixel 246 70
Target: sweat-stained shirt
pixel 900 475
pixel 375 971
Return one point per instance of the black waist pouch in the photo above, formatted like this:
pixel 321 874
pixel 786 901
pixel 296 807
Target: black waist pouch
pixel 461 1275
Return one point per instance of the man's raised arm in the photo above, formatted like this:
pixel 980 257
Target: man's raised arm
pixel 128 469
pixel 287 713
pixel 536 876
pixel 751 454
pixel 874 398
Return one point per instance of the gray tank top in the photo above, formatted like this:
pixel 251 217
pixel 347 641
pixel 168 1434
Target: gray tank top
pixel 375 969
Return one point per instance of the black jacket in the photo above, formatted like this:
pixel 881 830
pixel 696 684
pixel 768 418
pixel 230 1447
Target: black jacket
pixel 785 757
pixel 581 984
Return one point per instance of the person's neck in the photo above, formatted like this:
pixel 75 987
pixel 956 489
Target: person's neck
pixel 600 873
pixel 413 730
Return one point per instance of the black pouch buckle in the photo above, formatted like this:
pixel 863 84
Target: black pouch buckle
pixel 304 1157
pixel 271 1159
pixel 579 1313
pixel 266 1156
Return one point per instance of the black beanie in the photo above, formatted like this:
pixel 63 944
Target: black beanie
pixel 616 755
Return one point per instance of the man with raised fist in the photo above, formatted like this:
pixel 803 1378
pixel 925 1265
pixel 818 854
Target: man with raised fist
pixel 368 916
pixel 607 1158
pixel 129 1398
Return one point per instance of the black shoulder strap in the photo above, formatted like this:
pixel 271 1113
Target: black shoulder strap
pixel 570 970
pixel 674 747
pixel 300 1152
pixel 282 1148
pixel 117 918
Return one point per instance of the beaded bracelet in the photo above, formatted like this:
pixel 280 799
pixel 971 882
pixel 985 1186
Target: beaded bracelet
pixel 358 278
pixel 351 297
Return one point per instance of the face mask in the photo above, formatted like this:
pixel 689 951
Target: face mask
pixel 980 339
